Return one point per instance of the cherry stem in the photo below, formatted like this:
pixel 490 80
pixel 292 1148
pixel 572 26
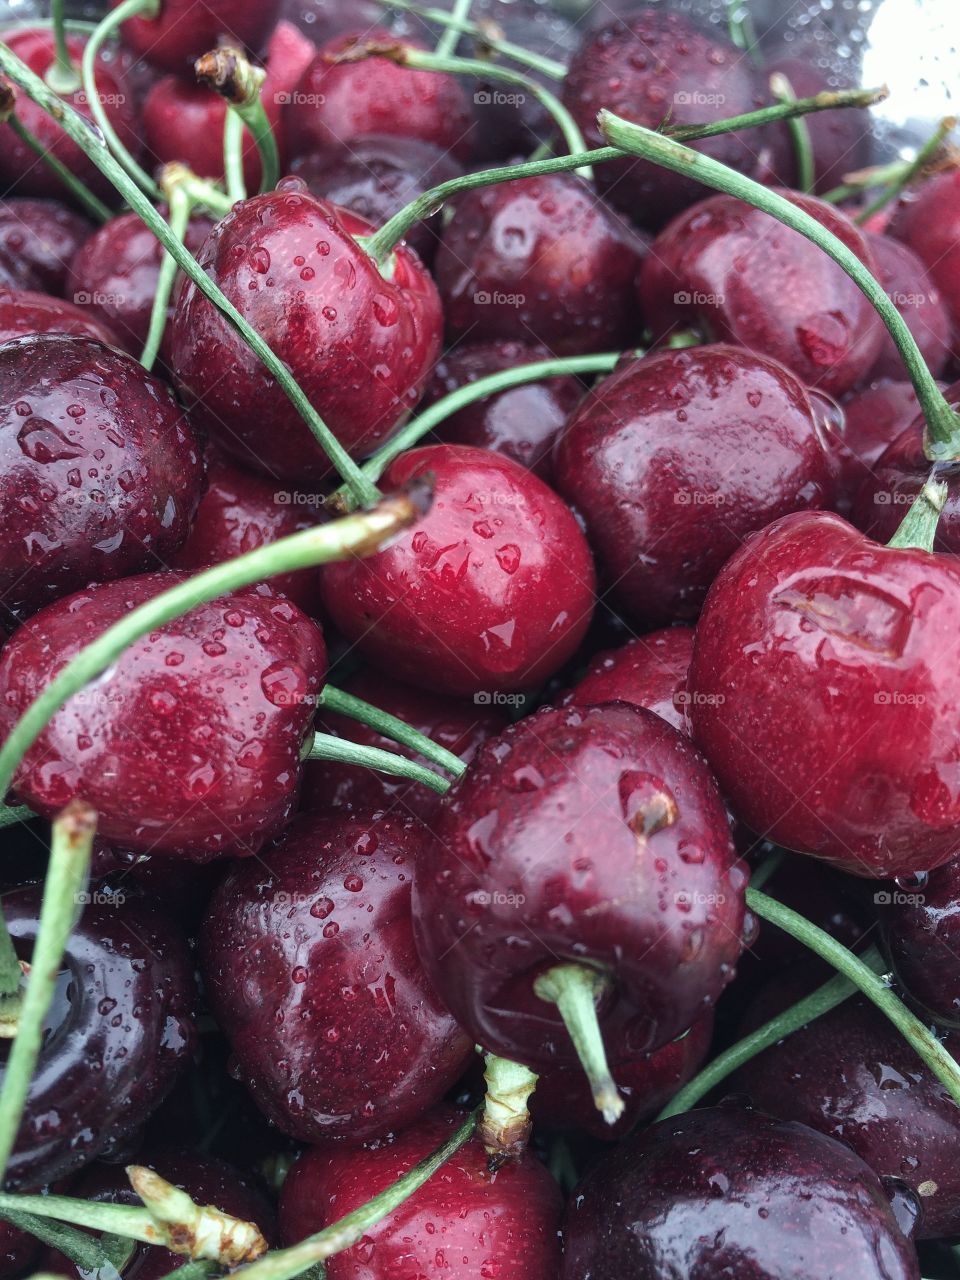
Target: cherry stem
pixel 228 72
pixel 79 131
pixel 741 30
pixel 920 1038
pixel 431 417
pixel 918 528
pixel 382 243
pixel 575 989
pixel 340 751
pixel 88 72
pixel 346 704
pixel 356 535
pixel 62 75
pixel 70 848
pixel 233 131
pixel 284 1264
pixel 943 423
pixel 10 815
pixel 782 90
pixel 11 974
pixel 505 1126
pixel 86 1252
pixel 799 1015
pixel 451 33
pixel 180 204
pixel 909 171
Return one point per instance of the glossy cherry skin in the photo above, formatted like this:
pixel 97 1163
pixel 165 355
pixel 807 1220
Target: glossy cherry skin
pixel 310 966
pixel 180 889
pixel 747 279
pixel 729 1192
pixel 240 512
pixel 207 715
pixel 676 457
pixel 521 422
pixel 102 469
pixel 18 1250
pixel 19 167
pixel 921 926
pixel 591 835
pixel 360 345
pixel 38 240
pixel 335 104
pixel 542 260
pixel 918 300
pixel 648 671
pixel 492 591
pixel 928 222
pixel 23 313
pixel 455 723
pixel 182 30
pixel 813 627
pixel 465 1221
pixel 873 417
pixel 124 1009
pixel 650 66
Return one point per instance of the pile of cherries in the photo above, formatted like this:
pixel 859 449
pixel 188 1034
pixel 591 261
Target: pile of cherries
pixel 678 608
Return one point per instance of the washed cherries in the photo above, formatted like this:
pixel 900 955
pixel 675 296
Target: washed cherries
pixel 928 222
pixel 918 300
pixel 38 239
pixel 649 671
pixel 23 313
pixel 177 34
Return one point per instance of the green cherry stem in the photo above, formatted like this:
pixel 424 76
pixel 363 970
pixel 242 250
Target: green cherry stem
pixel 451 33
pixel 62 75
pixel 920 1038
pixel 10 815
pixel 943 424
pixel 233 131
pixel 339 751
pixel 389 726
pixel 11 977
pixel 364 491
pixel 741 30
pixel 228 72
pixel 575 990
pixel 782 90
pixel 70 848
pixel 180 204
pixel 918 528
pixel 910 170
pixel 355 535
pixel 88 1253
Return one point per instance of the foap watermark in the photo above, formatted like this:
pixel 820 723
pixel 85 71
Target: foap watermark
pixel 488 698
pixel 691 898
pixel 294 498
pixel 97 298
pixel 497 98
pixel 694 698
pixel 497 298
pixel 483 898
pixel 696 98
pixel 296 98
pixel 82 99
pixel 898 898
pixel 697 298
pixel 887 499
pixel 100 898
pixel 698 498
pixel 897 698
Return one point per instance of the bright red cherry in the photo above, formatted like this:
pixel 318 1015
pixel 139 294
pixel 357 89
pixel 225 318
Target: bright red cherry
pixel 23 314
pixel 38 241
pixel 918 300
pixel 928 222
pixel 183 30
pixel 648 671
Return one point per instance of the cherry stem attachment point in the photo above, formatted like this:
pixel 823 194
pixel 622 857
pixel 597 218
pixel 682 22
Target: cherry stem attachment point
pixel 488 34
pixel 62 76
pixel 228 72
pixel 180 204
pixel 505 1125
pixel 918 528
pixel 782 90
pixel 909 170
pixel 341 751
pixel 575 990
pixel 450 35
pixel 389 726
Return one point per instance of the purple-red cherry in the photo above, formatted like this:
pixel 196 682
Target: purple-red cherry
pixel 102 470
pixel 918 300
pixel 921 925
pixel 676 458
pixel 648 671
pixel 23 314
pixel 826 708
pixel 360 343
pixel 540 260
pixel 38 241
pixel 183 30
pixel 190 746
pixel 310 965
pixel 492 591
pixel 18 1250
pixel 873 418
pixel 840 139
pixel 928 222
pixel 464 1221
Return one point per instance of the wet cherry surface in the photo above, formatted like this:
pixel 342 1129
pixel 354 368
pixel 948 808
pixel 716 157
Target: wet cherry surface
pixel 38 240
pixel 874 417
pixel 922 934
pixel 840 139
pixel 182 30
pixel 918 300
pixel 23 313
pixel 648 671
pixel 928 222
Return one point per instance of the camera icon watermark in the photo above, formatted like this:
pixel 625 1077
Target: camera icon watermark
pixel 897 698
pixel 100 898
pixel 696 98
pixel 488 698
pixel 295 98
pixel 483 298
pixel 483 898
pixel 697 298
pixel 697 498
pixel 694 698
pixel 296 498
pixel 690 898
pixel 97 298
pixel 898 898
pixel 497 98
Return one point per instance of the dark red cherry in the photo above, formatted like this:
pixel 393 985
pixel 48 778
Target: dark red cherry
pixel 676 457
pixel 378 177
pixel 190 746
pixel 38 241
pixel 492 591
pixel 102 470
pixel 830 713
pixel 122 1015
pixel 360 343
pixel 921 924
pixel 649 67
pixel 648 671
pixel 454 723
pixel 539 260
pixel 465 1221
pixel 20 170
pixel 182 30
pixel 311 970
pixel 520 422
pixel 18 1251
pixel 874 417
pixel 918 300
pixel 729 1192
pixel 23 313
pixel 928 222
pixel 240 512
pixel 747 279
pixel 591 836
pixel 180 889
pixel 336 104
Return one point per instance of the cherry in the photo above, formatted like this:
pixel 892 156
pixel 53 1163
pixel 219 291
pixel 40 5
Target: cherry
pixel 463 1221
pixel 378 177
pixel 181 889
pixel 648 67
pixel 514 884
pixel 18 1251
pixel 520 422
pixel 675 458
pixel 874 416
pixel 324 19
pixel 240 512
pixel 124 1010
pixel 23 313
pixel 840 139
pixel 921 929
pixel 182 30
pixel 336 104
pixel 853 1076
pixel 207 715
pixel 730 1192
pixel 539 259
pixel 648 671
pixel 750 280
pixel 38 240
pixel 20 169
pixel 360 344
pixel 459 726
pixel 825 707
pixel 915 296
pixel 491 591
pixel 311 970
pixel 102 469
pixel 928 222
